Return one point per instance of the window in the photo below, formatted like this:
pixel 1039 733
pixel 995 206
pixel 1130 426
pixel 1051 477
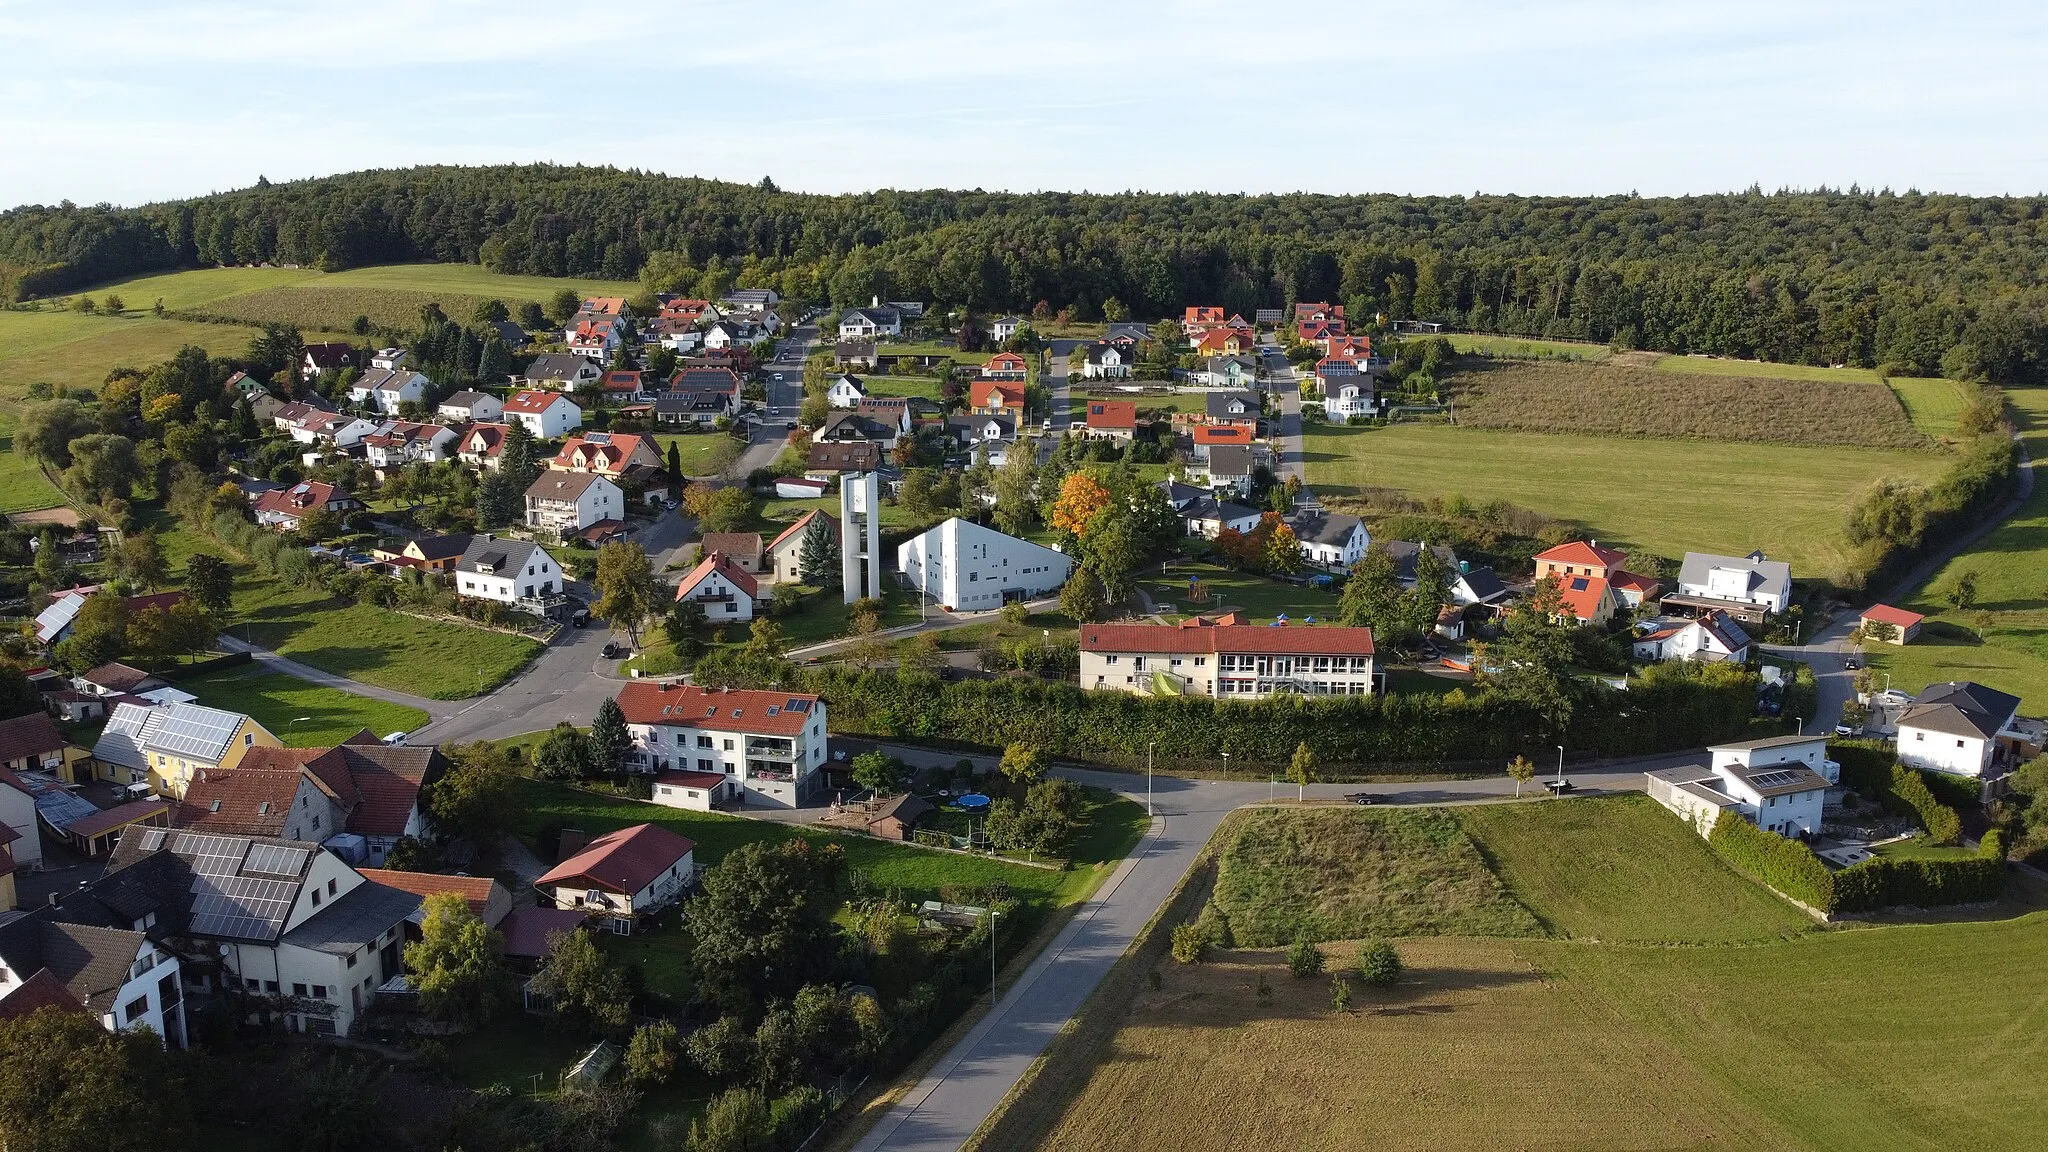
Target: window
pixel 248 739
pixel 330 887
pixel 728 745
pixel 134 1008
pixel 316 822
pixel 703 741
pixel 316 897
pixel 352 959
pixel 270 986
pixel 298 989
pixel 1959 743
pixel 319 991
pixel 250 983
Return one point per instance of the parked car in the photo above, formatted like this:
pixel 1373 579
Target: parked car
pixel 579 618
pixel 611 650
pixel 1852 664
pixel 395 739
pixel 1844 730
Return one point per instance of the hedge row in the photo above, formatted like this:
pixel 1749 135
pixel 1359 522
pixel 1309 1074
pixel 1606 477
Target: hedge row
pixel 1871 769
pixel 1910 789
pixel 1786 865
pixel 1883 882
pixel 1672 706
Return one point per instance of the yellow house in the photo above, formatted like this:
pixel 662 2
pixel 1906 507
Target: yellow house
pixel 167 745
pixel 32 743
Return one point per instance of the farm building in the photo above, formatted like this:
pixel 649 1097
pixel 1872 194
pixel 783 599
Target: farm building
pixel 1904 626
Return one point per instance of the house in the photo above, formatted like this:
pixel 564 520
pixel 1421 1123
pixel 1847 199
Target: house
pixel 511 335
pixel 734 334
pixel 871 323
pixel 118 679
pixel 361 789
pixel 989 397
pixel 800 488
pixel 968 568
pixel 1229 467
pixel 1319 332
pixel 742 548
pixel 854 354
pixel 290 928
pixel 1231 408
pixel 1198 319
pixel 485 898
pixel 1107 361
pixel 330 356
pixel 21 843
pixel 1961 728
pixel 284 509
pixel 675 335
pixel 1586 600
pixel 1782 797
pixel 1899 625
pixel 1236 372
pixel 782 558
pixel 1002 328
pixel 1207 517
pixel 595 338
pixel 166 745
pixel 331 428
pixel 1226 342
pixel 396 443
pixel 727 593
pixel 558 372
pixel 623 875
pixel 857 427
pixel 53 623
pixel 118 977
pixel 1749 587
pixel 428 553
pixel 1332 540
pixel 467 405
pixel 724 744
pixel 1007 366
pixel 1354 348
pixel 756 300
pixel 1205 438
pixel 1405 554
pixel 1306 312
pixel 686 310
pixel 623 385
pixel 845 392
pixel 618 456
pixel 1113 419
pixel 566 503
pixel 1476 586
pixel 699 407
pixel 606 306
pixel 830 461
pixel 263 405
pixel 1347 388
pixel 1579 558
pixel 546 414
pixel 1712 636
pixel 891 410
pixel 1633 589
pixel 896 818
pixel 32 743
pixel 481 445
pixel 510 572
pixel 388 359
pixel 1226 658
pixel 386 389
pixel 996 432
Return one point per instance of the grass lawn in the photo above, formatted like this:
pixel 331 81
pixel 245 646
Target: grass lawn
pixel 431 658
pixel 1258 597
pixel 694 450
pixel 1933 405
pixel 278 702
pixel 1525 346
pixel 77 351
pixel 927 387
pixel 511 1051
pixel 2011 564
pixel 1340 874
pixel 23 487
pixel 1623 869
pixel 1750 1035
pixel 1410 681
pixel 825 616
pixel 1714 366
pixel 1666 496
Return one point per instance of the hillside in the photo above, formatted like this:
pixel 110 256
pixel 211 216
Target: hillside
pixel 1913 280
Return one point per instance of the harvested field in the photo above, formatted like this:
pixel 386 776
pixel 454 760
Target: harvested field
pixel 1339 874
pixel 336 309
pixel 1620 401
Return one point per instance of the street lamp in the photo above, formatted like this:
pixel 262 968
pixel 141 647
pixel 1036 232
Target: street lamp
pixel 1148 776
pixel 991 957
pixel 295 723
pixel 1560 764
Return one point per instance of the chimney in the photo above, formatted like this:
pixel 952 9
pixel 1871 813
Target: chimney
pixel 53 899
pixel 874 301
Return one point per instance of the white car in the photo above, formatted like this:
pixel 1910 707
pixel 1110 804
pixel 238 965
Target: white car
pixel 395 739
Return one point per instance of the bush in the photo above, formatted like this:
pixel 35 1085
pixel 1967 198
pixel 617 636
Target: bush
pixel 1885 882
pixel 1909 789
pixel 1379 965
pixel 1304 959
pixel 1786 865
pixel 1189 943
pixel 652 1053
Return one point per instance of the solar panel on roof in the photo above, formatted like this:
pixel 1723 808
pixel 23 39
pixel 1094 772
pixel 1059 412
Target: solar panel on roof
pixel 193 731
pixel 275 860
pixel 152 839
pixel 211 855
pixel 1773 779
pixel 797 706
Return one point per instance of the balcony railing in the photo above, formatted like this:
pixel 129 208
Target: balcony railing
pixel 774 749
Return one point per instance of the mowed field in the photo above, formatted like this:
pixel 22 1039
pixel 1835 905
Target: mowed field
pixel 1667 496
pixel 2003 640
pixel 301 714
pixel 1743 1026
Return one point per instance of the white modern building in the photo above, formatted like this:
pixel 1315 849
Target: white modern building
pixel 1226 658
pixel 965 567
pixel 511 572
pixel 871 323
pixel 1751 581
pixel 386 389
pixel 1961 728
pixel 711 746
pixel 1781 796
pixel 860 535
pixel 1712 636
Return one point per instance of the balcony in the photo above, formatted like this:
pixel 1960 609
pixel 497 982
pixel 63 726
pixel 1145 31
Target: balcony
pixel 770 773
pixel 772 749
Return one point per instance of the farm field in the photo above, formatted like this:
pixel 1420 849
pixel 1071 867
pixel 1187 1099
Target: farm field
pixel 1723 366
pixel 1632 402
pixel 1526 347
pixel 2011 566
pixel 1230 590
pixel 23 487
pixel 1665 496
pixel 1934 405
pixel 1762 1038
pixel 77 351
pixel 302 715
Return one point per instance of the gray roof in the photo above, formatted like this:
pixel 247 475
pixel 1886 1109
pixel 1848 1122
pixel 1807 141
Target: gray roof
pixel 1484 584
pixel 1960 708
pixel 1130 328
pixel 557 366
pixel 1779 779
pixel 1761 571
pixel 1230 460
pixel 501 554
pixel 1323 527
pixel 1404 553
pixel 465 399
pixel 193 731
pixel 354 919
pixel 1219 363
pixel 882 316
pixel 1097 353
pixel 855 425
pixel 1209 508
pixel 854 349
pixel 971 426
pixel 90 961
pixel 1180 495
pixel 1766 742
pixel 1218 405
pixel 202 883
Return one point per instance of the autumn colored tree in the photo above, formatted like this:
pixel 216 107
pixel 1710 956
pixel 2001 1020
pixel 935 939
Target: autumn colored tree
pixel 1081 497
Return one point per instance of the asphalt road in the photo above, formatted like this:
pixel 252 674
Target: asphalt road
pixel 1056 381
pixel 567 681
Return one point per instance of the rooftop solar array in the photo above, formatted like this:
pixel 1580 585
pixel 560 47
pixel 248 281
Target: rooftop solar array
pixel 275 860
pixel 1773 779
pixel 195 731
pixel 152 839
pixel 241 906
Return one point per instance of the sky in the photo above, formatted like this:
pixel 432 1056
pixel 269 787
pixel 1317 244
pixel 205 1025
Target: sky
pixel 135 102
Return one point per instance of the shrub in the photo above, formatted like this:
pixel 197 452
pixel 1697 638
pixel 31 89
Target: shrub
pixel 1304 959
pixel 1189 944
pixel 1379 965
pixel 1910 789
pixel 1340 993
pixel 1786 865
pixel 652 1053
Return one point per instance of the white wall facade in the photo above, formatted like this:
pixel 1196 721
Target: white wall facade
pixel 969 568
pixel 775 771
pixel 539 577
pixel 1944 751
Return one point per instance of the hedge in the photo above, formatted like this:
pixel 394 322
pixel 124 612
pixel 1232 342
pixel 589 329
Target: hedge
pixel 1885 882
pixel 1870 769
pixel 1941 822
pixel 1770 859
pixel 1673 706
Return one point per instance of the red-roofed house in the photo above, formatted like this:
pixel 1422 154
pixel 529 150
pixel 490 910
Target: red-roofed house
pixel 1005 366
pixel 1357 349
pixel 360 787
pixel 1225 342
pixel 782 559
pixel 1635 591
pixel 1579 558
pixel 727 593
pixel 527 931
pixel 1309 311
pixel 613 455
pixel 1115 419
pixel 1588 599
pixel 1200 318
pixel 766 747
pixel 623 875
pixel 1207 436
pixel 1226 658
pixel 622 385
pixel 997 398
pixel 481 445
pixel 546 414
pixel 486 898
pixel 1904 625
pixel 42 990
pixel 282 509
pixel 32 743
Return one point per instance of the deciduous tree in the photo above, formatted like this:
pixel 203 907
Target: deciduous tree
pixel 762 924
pixel 627 593
pixel 458 963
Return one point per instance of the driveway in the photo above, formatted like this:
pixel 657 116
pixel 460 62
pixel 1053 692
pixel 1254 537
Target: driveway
pixel 567 681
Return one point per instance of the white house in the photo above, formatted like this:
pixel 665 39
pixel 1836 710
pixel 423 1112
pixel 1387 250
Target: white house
pixel 1238 372
pixel 870 323
pixel 845 392
pixel 969 568
pixel 623 875
pixel 1347 389
pixel 466 406
pixel 388 359
pixel 20 843
pixel 331 428
pixel 1771 751
pixel 385 389
pixel 730 333
pixel 1107 361
pixel 1227 466
pixel 727 593
pixel 782 558
pixel 1751 580
pixel 548 415
pixel 709 745
pixel 511 572
pixel 396 443
pixel 1713 636
pixel 1226 658
pixel 559 372
pixel 1962 728
pixel 567 503
pixel 595 338
pixel 118 976
pixel 1330 539
pixel 1000 330
pixel 1778 796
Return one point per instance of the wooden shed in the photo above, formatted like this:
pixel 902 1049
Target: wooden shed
pixel 896 818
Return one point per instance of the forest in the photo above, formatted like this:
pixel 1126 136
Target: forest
pixel 1923 283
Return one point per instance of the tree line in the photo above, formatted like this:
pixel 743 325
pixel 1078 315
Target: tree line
pixel 1923 282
